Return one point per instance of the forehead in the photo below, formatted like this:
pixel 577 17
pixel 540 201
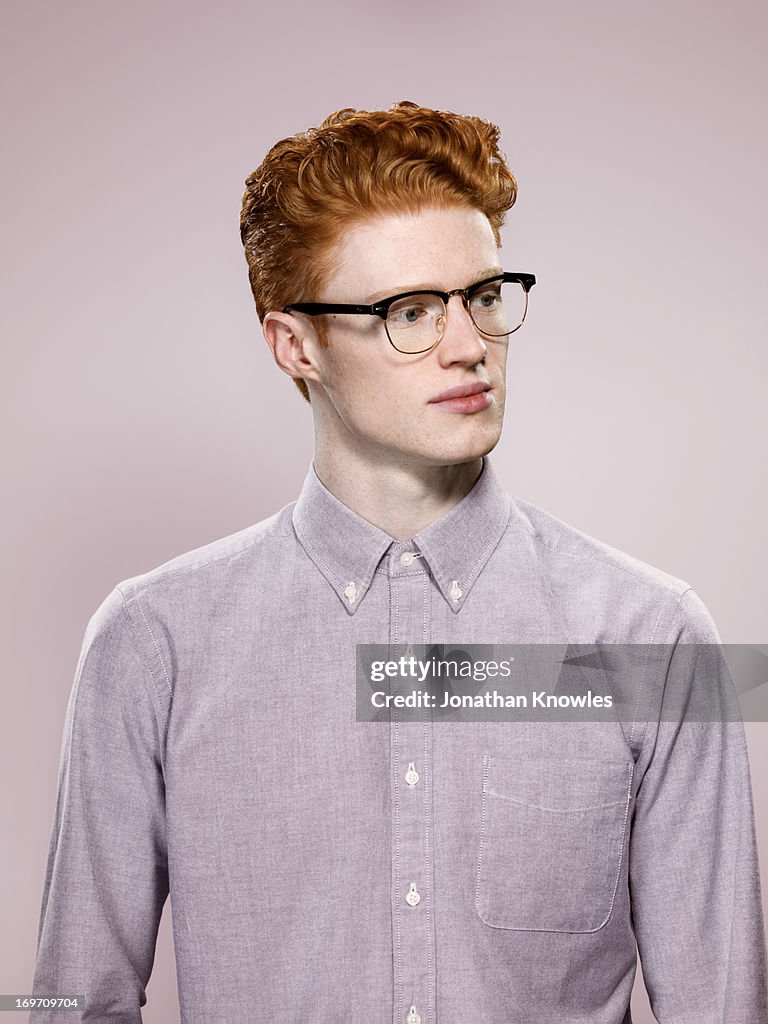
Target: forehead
pixel 433 247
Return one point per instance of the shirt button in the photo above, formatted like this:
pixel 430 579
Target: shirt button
pixel 412 897
pixel 411 776
pixel 407 558
pixel 413 1017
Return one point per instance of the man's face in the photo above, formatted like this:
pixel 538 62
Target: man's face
pixel 390 406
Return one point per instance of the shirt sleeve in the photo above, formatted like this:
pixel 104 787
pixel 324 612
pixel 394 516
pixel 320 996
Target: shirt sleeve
pixel 694 875
pixel 106 878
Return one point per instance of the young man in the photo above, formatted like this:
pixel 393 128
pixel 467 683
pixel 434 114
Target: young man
pixel 323 868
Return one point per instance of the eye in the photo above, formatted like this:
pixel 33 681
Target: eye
pixel 410 315
pixel 488 298
pixel 410 311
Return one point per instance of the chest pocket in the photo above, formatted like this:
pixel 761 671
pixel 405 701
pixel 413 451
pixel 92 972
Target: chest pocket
pixel 551 843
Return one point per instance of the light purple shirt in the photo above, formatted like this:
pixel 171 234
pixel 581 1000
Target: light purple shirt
pixel 325 869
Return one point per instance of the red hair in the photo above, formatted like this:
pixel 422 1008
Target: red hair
pixel 312 187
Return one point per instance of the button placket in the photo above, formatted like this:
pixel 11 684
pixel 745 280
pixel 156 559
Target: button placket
pixel 410 745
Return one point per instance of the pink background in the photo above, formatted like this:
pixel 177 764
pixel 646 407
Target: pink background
pixel 143 416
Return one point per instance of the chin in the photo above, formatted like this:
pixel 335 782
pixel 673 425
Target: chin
pixel 456 450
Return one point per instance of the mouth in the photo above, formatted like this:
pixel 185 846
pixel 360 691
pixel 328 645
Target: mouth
pixel 465 398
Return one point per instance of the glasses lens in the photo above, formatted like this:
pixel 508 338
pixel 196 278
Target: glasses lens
pixel 416 322
pixel 499 308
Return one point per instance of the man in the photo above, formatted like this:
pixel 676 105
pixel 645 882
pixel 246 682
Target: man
pixel 324 868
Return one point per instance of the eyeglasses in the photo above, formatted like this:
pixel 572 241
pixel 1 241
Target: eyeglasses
pixel 415 321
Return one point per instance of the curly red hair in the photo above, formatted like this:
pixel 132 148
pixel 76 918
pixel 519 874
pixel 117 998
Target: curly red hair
pixel 312 187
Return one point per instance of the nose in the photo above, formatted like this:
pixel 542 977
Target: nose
pixel 461 341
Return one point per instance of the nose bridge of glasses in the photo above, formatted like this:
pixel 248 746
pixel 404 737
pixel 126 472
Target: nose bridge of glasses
pixel 447 296
pixel 442 319
pixel 458 291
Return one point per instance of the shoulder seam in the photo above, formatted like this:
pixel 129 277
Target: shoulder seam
pixel 641 688
pixel 161 710
pixel 126 602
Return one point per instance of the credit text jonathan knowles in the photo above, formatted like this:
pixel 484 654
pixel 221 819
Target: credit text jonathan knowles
pixel 489 699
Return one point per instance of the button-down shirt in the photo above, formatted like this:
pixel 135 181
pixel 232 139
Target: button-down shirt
pixel 321 868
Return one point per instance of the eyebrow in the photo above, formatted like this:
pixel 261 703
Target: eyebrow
pixel 377 296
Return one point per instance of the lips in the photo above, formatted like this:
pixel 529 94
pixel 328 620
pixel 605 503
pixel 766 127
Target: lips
pixel 462 391
pixel 465 399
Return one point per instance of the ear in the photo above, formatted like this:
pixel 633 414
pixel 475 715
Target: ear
pixel 292 342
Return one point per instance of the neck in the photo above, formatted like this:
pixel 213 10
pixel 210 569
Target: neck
pixel 400 498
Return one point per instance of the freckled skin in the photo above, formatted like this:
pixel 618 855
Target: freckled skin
pixel 383 446
pixel 375 401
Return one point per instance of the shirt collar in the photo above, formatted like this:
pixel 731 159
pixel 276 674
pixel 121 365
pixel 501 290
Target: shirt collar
pixel 347 549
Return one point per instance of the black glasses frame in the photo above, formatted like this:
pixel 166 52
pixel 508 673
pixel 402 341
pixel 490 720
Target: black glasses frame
pixel 381 308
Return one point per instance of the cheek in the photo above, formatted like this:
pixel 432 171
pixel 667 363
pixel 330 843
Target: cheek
pixel 380 402
pixel 497 354
pixel 361 371
pixel 365 392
